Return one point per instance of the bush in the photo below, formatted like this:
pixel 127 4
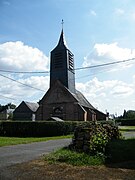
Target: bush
pixel 36 129
pixel 112 131
pixel 111 122
pixel 126 122
pixel 93 138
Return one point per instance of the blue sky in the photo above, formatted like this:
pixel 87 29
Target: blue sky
pixel 96 31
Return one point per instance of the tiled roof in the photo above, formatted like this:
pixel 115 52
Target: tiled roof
pixel 82 100
pixel 32 106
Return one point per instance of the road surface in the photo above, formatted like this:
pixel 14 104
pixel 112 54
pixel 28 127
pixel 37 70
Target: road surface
pixel 129 134
pixel 10 155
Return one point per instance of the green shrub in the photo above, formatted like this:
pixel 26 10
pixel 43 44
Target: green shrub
pixel 126 122
pixel 121 150
pixel 111 122
pixel 112 131
pixel 93 138
pixel 36 129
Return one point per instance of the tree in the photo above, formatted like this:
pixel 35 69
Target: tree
pixel 9 105
pixel 12 106
pixel 124 114
pixel 130 114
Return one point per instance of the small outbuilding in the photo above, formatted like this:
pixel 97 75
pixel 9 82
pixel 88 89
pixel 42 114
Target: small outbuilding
pixel 25 111
pixel 6 114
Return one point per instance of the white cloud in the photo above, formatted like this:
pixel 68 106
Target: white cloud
pixel 103 88
pixel 108 94
pixel 17 56
pixel 107 53
pixel 122 90
pixel 20 92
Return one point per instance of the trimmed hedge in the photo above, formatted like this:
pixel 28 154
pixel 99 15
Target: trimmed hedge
pixel 111 122
pixel 40 128
pixel 125 122
pixel 36 129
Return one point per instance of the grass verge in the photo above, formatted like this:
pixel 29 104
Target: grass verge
pixel 6 141
pixel 127 128
pixel 65 155
pixel 120 151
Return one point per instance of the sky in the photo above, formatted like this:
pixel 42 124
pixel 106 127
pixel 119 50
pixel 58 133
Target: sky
pixel 96 31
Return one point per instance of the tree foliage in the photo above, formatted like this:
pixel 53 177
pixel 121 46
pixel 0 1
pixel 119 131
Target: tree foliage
pixel 130 114
pixel 9 105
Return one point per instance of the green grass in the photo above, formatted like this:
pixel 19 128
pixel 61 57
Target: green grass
pixel 127 128
pixel 65 155
pixel 118 151
pixel 6 141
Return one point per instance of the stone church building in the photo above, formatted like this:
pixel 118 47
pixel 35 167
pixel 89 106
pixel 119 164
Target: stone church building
pixel 62 100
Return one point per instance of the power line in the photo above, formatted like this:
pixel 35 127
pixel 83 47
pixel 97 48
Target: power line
pixel 24 72
pixel 81 68
pixel 105 64
pixel 85 76
pixel 76 69
pixel 22 83
pixel 7 97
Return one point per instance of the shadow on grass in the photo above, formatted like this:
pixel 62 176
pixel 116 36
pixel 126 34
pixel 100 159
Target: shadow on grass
pixel 121 154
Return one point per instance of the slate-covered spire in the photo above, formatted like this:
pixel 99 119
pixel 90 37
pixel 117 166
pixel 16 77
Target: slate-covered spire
pixel 62 65
pixel 61 40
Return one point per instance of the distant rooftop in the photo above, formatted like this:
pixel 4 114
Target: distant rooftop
pixel 32 106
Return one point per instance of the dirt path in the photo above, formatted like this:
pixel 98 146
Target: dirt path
pixel 41 170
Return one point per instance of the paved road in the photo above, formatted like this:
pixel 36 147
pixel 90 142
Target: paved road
pixel 129 134
pixel 11 155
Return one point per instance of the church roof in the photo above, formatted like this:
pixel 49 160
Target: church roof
pixel 79 97
pixel 82 100
pixel 32 106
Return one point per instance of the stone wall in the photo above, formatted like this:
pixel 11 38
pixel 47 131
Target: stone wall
pixel 81 139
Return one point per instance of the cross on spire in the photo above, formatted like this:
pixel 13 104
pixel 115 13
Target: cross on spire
pixel 62 22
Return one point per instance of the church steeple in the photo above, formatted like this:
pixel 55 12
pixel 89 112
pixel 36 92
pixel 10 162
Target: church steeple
pixel 61 40
pixel 62 65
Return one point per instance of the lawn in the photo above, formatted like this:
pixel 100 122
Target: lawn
pixel 65 155
pixel 127 128
pixel 6 141
pixel 120 152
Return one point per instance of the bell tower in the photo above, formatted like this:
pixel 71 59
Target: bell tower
pixel 62 65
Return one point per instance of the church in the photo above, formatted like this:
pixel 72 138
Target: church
pixel 62 100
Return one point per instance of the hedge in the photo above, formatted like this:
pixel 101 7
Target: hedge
pixel 39 128
pixel 125 122
pixel 111 122
pixel 36 129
